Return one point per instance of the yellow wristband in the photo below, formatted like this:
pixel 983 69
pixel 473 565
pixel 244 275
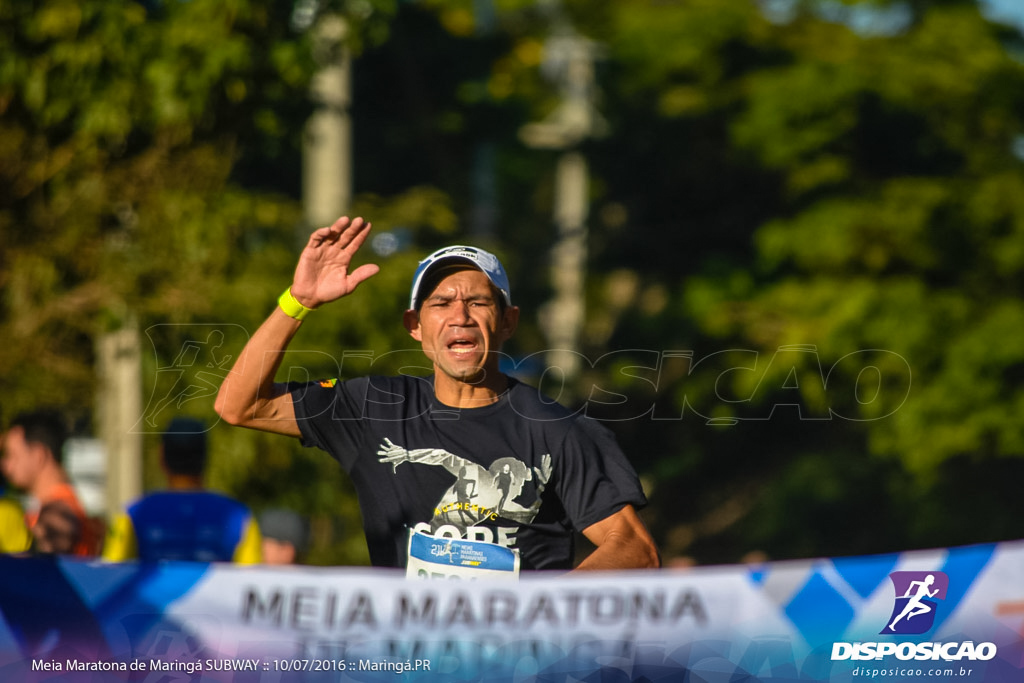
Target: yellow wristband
pixel 291 306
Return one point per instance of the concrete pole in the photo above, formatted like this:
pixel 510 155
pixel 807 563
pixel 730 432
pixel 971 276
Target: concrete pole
pixel 327 144
pixel 563 320
pixel 119 406
pixel 570 62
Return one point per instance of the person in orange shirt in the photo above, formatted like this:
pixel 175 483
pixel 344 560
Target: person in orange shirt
pixel 32 460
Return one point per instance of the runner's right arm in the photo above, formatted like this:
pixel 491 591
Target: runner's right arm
pixel 249 396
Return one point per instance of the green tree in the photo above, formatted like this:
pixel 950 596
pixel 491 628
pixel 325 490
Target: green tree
pixel 135 146
pixel 120 130
pixel 842 178
pixel 776 178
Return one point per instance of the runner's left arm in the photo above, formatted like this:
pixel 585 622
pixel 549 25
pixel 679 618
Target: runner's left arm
pixel 622 542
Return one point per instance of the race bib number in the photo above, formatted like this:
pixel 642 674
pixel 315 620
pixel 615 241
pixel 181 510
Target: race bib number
pixel 454 558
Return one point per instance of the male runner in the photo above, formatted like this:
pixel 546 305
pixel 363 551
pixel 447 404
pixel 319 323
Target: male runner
pixel 404 440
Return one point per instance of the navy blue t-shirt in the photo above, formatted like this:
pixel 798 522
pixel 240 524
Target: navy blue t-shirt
pixel 523 472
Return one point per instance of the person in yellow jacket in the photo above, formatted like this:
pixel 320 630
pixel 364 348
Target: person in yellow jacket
pixel 14 534
pixel 186 521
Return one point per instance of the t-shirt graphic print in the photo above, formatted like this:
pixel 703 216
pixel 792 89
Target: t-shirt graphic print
pixel 481 496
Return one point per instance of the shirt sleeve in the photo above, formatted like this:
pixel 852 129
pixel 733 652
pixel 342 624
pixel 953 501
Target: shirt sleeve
pixel 120 544
pixel 594 477
pixel 329 414
pixel 250 548
pixel 14 534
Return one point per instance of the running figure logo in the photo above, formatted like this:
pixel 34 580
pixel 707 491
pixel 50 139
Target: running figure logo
pixel 479 492
pixel 916 593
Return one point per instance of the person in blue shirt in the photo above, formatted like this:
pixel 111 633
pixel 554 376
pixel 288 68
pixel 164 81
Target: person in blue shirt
pixel 186 521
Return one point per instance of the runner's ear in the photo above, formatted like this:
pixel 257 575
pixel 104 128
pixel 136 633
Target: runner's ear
pixel 411 320
pixel 509 321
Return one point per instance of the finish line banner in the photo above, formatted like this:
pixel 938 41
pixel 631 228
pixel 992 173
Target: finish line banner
pixel 940 615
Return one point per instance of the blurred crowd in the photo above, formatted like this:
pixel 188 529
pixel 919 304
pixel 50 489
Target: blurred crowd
pixel 42 513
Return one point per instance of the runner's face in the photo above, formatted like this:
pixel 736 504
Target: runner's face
pixel 462 327
pixel 20 460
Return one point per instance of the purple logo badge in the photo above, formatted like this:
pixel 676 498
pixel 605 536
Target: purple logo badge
pixel 916 596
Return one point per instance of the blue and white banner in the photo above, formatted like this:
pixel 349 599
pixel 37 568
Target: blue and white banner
pixel 941 615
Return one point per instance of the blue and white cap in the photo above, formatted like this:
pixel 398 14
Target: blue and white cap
pixel 484 261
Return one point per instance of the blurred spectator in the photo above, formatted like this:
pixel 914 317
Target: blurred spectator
pixel 285 535
pixel 185 522
pixel 755 557
pixel 33 461
pixel 681 562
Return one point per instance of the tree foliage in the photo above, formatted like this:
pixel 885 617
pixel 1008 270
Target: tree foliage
pixel 840 185
pixel 120 131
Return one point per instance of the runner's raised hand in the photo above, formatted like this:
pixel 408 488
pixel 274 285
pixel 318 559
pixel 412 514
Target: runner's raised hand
pixel 323 273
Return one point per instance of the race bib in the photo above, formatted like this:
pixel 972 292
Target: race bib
pixel 455 558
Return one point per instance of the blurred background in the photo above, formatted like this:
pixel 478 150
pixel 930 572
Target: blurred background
pixel 777 246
